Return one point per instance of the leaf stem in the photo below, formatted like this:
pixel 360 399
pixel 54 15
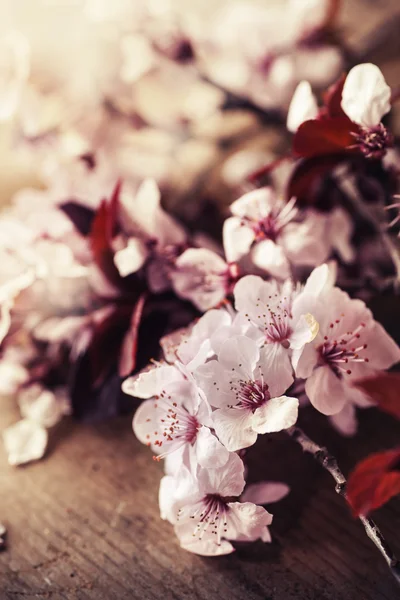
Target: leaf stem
pixel 329 463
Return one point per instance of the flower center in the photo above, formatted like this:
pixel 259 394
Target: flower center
pixel 175 426
pixel 339 354
pixel 270 226
pixel 209 515
pixel 250 395
pixel 373 142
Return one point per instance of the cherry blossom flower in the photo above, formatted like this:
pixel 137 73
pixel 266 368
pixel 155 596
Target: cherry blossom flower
pixel 277 236
pixel 349 345
pixel 203 277
pixel 152 235
pixel 350 120
pixel 175 417
pixel 201 506
pixel 280 314
pixel 246 386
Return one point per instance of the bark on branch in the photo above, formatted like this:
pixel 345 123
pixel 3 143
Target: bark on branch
pixel 329 463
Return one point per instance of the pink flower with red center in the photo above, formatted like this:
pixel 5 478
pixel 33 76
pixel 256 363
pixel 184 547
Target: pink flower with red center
pixel 174 418
pixel 349 345
pixel 280 315
pixel 203 277
pixel 203 505
pixel 276 236
pixel 245 385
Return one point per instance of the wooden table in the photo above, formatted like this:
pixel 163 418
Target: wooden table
pixel 84 524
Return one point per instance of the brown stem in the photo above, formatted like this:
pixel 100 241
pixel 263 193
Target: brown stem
pixel 329 463
pixel 346 182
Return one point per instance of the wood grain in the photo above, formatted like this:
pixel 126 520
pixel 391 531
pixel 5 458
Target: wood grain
pixel 84 523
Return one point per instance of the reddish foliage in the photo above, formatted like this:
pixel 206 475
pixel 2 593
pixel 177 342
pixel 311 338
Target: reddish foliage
pixel 106 340
pixel 101 234
pixel 264 171
pixel 333 99
pixel 308 174
pixel 324 136
pixel 384 390
pixel 374 481
pixel 127 359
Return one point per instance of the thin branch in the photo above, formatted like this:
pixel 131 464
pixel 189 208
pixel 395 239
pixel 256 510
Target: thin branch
pixel 329 463
pixel 347 184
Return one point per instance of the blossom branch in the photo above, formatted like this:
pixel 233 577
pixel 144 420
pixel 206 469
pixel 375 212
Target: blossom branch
pixel 329 463
pixel 359 205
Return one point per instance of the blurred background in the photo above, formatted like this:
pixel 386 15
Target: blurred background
pixel 75 72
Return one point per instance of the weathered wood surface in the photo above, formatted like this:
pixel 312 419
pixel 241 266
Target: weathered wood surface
pixel 84 522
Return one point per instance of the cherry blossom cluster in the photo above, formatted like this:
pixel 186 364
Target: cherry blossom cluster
pixel 109 255
pixel 92 260
pixel 233 376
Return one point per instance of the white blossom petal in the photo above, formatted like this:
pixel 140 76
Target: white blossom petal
pixel 276 414
pixel 265 492
pixel 366 95
pixel 24 442
pixel 303 107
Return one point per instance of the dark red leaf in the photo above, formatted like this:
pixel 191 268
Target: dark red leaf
pixel 81 216
pixel 262 172
pixel 324 136
pixel 106 342
pixel 308 174
pixel 101 235
pixel 384 390
pixel 332 12
pixel 127 359
pixel 374 481
pixel 333 99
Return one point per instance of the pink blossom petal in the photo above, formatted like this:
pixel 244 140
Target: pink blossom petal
pixel 345 421
pixel 24 442
pixel 366 95
pixel 276 368
pixel 210 452
pixel 199 340
pixel 266 536
pixel 383 352
pixel 303 106
pixel 249 519
pixel 305 331
pixel 148 383
pixel 200 276
pixel 271 257
pixel 275 415
pixel 326 391
pixel 131 258
pixel 237 239
pixel 42 406
pixel 225 481
pixel 143 421
pixel 240 353
pixel 207 546
pixel 265 492
pixel 234 428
